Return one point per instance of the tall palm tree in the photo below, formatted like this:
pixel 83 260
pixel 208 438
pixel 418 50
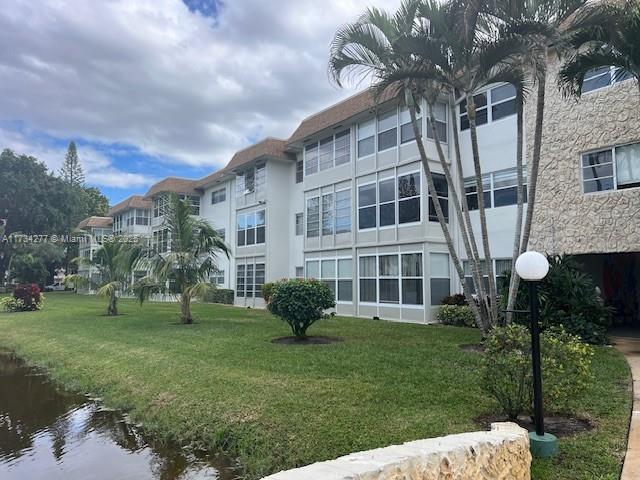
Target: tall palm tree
pixel 405 57
pixel 613 43
pixel 115 260
pixel 194 248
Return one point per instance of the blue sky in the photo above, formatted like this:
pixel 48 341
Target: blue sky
pixel 157 88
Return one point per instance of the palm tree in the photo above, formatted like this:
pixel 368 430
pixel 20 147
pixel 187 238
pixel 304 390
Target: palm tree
pixel 409 61
pixel 194 247
pixel 115 260
pixel 613 43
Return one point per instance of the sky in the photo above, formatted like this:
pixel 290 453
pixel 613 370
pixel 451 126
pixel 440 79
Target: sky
pixel 155 88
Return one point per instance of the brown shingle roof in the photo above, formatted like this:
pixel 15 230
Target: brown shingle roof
pixel 173 184
pixel 269 147
pixel 134 201
pixel 338 113
pixel 95 222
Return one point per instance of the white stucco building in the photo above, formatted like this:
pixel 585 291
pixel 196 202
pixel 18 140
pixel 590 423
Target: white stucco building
pixel 344 199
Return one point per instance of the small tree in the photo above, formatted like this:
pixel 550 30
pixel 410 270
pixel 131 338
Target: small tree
pixel 71 171
pixel 300 303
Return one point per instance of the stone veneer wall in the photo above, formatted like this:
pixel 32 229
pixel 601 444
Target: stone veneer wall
pixel 501 454
pixel 565 219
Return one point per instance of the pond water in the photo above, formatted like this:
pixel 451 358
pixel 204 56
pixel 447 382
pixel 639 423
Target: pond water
pixel 48 433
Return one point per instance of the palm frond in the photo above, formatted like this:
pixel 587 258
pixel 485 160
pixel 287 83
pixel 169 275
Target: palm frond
pixel 572 73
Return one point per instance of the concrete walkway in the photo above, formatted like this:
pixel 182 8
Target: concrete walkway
pixel 630 347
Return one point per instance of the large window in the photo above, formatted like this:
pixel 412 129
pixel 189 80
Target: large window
pixel 249 280
pixel 391 279
pixel 406 127
pixel 142 216
pixel 492 105
pixel 366 138
pixel 336 274
pixel 251 180
pixel 329 214
pixel 409 198
pixel 501 267
pixel 442 193
pixel 367 206
pixel 440 111
pixel 439 273
pixel 217 277
pixel 603 77
pixel 159 206
pixel 387 202
pixel 250 228
pixel 500 189
pixel 218 196
pixel 327 152
pixel 390 201
pixel 160 240
pixel 387 130
pixel 611 169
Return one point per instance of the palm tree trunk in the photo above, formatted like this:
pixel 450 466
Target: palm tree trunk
pixel 535 161
pixel 513 281
pixel 112 307
pixel 443 224
pixel 491 302
pixel 185 309
pixel 474 258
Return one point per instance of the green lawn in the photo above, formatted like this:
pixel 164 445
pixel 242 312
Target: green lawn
pixel 221 383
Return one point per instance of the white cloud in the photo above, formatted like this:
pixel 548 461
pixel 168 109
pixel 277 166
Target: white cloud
pixel 154 75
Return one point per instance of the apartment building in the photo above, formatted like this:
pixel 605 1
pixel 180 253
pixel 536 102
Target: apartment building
pixel 344 198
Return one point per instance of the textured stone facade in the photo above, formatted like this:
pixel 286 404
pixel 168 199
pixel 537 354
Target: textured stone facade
pixel 501 454
pixel 565 219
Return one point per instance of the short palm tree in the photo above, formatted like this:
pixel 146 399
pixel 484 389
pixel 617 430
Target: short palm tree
pixel 114 261
pixel 194 247
pixel 614 42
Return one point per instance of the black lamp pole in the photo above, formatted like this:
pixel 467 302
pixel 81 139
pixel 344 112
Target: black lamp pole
pixel 534 308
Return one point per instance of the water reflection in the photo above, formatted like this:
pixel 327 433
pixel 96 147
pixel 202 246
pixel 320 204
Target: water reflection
pixel 46 433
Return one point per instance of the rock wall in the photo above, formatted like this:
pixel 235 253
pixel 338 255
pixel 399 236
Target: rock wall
pixel 565 219
pixel 501 454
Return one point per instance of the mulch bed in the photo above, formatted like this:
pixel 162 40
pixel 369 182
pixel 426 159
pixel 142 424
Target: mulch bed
pixel 560 426
pixel 316 340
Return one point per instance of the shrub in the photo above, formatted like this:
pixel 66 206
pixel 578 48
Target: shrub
pixel 300 303
pixel 30 295
pixel 10 304
pixel 267 291
pixel 568 298
pixel 457 315
pixel 455 299
pixel 219 295
pixel 507 371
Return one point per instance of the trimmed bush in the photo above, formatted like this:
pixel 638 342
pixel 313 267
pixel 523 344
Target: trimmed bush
pixel 219 295
pixel 507 372
pixel 457 315
pixel 25 298
pixel 455 299
pixel 568 298
pixel 300 303
pixel 267 291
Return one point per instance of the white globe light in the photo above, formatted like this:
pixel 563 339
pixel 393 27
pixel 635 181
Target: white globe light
pixel 532 266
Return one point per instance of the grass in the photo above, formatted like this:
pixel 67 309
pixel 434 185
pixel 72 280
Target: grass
pixel 221 383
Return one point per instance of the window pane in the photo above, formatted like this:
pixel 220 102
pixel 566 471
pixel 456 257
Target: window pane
pixel 440 182
pixel 368 290
pixel 343 211
pixel 439 265
pixel 502 93
pixel 441 130
pixel 367 217
pixel 389 291
pixel 332 286
pixel 412 265
pixel 328 209
pixel 628 165
pixel 389 266
pixel 597 158
pixel 505 178
pixel 313 217
pixel 409 210
pixel 326 153
pixel 328 268
pixel 444 205
pixel 366 129
pixel 251 236
pixel 480 100
pixel 299 223
pixel 598 171
pixel 598 185
pixel 367 195
pixel 366 147
pixel 409 185
pixel 406 132
pixel 412 292
pixel 481 117
pixel 344 268
pixel 241 238
pixel 597 78
pixel 439 290
pixel 343 147
pixel 260 235
pixel 440 111
pixel 387 121
pixel 345 290
pixel 387 139
pixel 313 269
pixel 505 196
pixel 299 170
pixel 387 214
pixel 387 190
pixel 311 158
pixel 503 109
pixel 260 217
pixel 368 267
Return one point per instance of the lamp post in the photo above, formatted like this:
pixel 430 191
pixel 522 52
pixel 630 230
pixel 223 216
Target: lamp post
pixel 533 267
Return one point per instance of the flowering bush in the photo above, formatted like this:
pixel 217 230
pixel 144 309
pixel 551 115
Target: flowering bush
pixel 27 298
pixel 10 304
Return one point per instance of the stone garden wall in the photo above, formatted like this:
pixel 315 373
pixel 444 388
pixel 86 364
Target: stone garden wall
pixel 501 454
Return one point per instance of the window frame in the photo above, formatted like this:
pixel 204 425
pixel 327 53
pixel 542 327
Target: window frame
pixel 392 113
pixel 438 277
pixel 399 279
pixel 216 194
pixel 317 146
pixel 336 277
pixel 614 162
pixel 489 106
pixel 611 73
pixel 254 227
